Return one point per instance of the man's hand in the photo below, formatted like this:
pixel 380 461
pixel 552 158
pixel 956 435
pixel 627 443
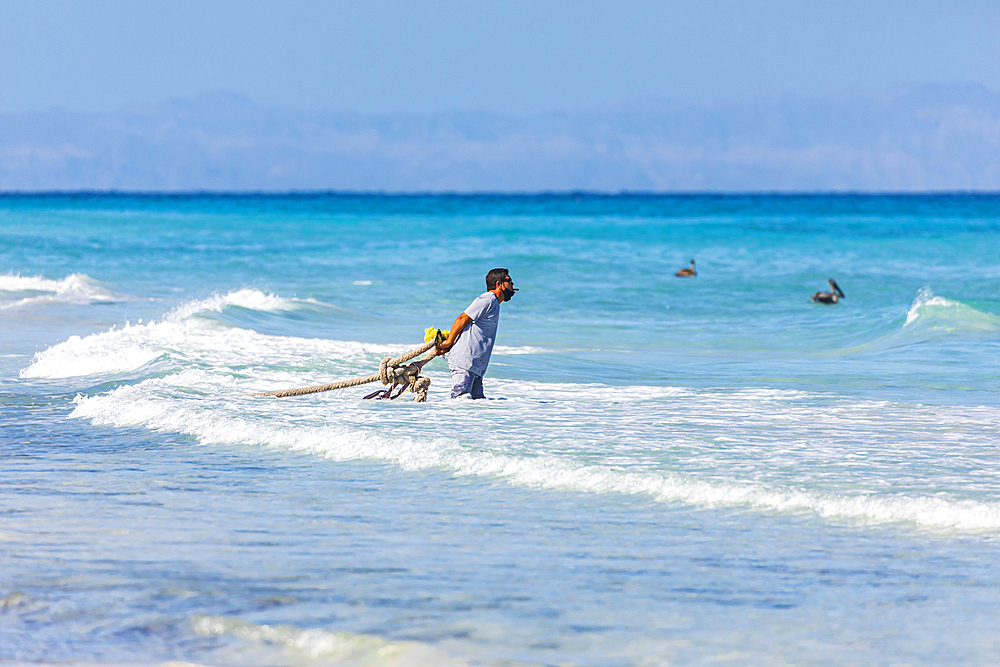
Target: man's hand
pixel 461 322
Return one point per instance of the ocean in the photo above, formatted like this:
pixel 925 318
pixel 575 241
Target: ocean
pixel 666 471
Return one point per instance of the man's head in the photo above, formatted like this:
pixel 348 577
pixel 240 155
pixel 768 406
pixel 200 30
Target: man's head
pixel 498 281
pixel 496 276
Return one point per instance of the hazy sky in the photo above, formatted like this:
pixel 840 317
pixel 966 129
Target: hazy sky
pixel 509 56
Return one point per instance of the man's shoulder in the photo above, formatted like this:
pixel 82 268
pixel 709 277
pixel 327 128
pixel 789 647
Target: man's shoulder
pixel 484 301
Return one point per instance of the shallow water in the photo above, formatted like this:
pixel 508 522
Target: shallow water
pixel 668 471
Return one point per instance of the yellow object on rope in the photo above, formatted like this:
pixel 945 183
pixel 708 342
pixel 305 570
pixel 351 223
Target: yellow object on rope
pixel 391 372
pixel 439 335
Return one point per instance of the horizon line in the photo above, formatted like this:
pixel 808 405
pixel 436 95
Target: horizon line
pixel 491 193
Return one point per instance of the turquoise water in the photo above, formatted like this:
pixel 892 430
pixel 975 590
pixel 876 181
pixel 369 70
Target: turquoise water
pixel 669 470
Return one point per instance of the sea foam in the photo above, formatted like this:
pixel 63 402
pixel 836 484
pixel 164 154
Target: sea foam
pixel 427 437
pixel 18 291
pixel 180 341
pixel 183 337
pixel 277 644
pixel 179 336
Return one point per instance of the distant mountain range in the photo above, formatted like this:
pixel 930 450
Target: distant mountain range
pixel 939 137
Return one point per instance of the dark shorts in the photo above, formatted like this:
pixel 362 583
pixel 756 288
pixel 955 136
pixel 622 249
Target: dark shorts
pixel 466 382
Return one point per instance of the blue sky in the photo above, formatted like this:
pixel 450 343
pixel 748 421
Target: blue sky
pixel 508 57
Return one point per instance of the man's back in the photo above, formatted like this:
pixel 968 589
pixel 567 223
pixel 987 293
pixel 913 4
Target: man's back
pixel 474 346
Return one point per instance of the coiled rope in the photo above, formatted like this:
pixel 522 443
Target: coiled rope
pixel 391 372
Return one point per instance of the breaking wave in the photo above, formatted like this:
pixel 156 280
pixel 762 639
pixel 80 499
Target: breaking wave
pixel 930 313
pixel 182 338
pixel 77 288
pixel 279 644
pixel 931 317
pixel 249 298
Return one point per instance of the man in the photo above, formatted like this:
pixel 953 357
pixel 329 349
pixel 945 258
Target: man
pixel 470 340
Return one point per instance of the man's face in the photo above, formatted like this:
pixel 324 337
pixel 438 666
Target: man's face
pixel 508 287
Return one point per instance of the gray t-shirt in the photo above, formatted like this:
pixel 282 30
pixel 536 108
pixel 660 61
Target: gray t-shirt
pixel 474 346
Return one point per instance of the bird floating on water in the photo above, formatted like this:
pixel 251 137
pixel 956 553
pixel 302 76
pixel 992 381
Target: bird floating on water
pixel 830 297
pixel 685 273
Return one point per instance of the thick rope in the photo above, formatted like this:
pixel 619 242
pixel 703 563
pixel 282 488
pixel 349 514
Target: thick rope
pixel 390 372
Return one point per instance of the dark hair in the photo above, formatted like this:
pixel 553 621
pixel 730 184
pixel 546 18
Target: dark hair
pixel 495 276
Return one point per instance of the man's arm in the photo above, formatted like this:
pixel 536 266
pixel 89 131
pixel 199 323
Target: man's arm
pixel 458 327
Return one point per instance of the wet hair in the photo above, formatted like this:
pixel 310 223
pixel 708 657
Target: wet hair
pixel 495 276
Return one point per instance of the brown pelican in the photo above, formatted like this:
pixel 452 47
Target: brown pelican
pixel 830 297
pixel 684 273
